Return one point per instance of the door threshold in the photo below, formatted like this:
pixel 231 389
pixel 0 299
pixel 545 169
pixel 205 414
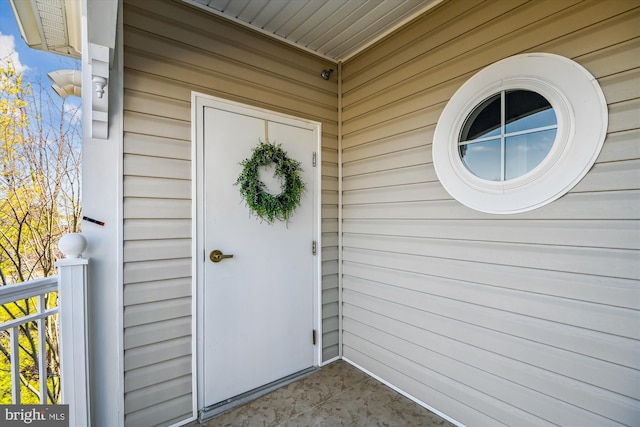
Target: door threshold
pixel 227 405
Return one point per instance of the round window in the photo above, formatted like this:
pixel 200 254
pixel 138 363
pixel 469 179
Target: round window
pixel 508 135
pixel 506 141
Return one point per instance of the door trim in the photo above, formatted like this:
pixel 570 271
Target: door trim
pixel 198 102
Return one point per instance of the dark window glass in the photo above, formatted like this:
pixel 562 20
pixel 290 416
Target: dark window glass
pixel 526 110
pixel 484 120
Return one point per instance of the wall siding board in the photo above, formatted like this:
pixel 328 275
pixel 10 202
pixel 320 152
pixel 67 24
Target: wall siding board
pixel 604 290
pixel 149 250
pixel 156 167
pixel 389 178
pixel 620 146
pixel 233 35
pixel 613 205
pixel 613 59
pixel 624 115
pixel 272 75
pixel 477 49
pixel 400 50
pixel 397 193
pixel 430 386
pixel 403 141
pixel 158 331
pixel 165 371
pixel 619 379
pixel 170 50
pixel 150 208
pixel 545 408
pixel 156 146
pixel 150 229
pixel 587 315
pixel 167 413
pixel 159 188
pixel 616 87
pixel 427 116
pixel 157 353
pixel 525 319
pixel 394 160
pixel 156 105
pixel 150 271
pixel 154 312
pixel 228 85
pixel 166 391
pixel 613 176
pixel 135 122
pixel 139 293
pixel 511 377
pixel 594 234
pixel 595 40
pixel 329 352
pixel 620 263
pixel 622 351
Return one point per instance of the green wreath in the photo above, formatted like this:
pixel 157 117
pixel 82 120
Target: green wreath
pixel 267 206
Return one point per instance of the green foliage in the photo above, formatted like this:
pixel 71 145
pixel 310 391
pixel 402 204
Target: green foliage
pixel 39 178
pixel 267 206
pixel 28 353
pixel 39 203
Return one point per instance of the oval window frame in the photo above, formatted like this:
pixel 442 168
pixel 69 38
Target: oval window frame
pixel 582 115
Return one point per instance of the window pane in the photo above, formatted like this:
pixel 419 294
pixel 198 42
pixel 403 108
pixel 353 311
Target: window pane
pixel 525 152
pixel 482 159
pixel 483 121
pixel 527 110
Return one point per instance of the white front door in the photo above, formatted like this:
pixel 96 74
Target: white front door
pixel 258 308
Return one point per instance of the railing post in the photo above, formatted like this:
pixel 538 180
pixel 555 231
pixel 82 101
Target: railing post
pixel 72 293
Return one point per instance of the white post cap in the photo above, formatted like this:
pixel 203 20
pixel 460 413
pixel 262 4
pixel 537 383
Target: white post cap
pixel 72 245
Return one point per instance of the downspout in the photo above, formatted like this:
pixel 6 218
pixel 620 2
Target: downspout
pixel 340 352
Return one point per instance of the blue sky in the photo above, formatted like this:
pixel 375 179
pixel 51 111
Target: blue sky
pixel 34 63
pixel 38 63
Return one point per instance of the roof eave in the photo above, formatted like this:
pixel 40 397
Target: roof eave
pixel 30 23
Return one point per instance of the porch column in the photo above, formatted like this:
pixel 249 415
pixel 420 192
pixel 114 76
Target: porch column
pixel 72 302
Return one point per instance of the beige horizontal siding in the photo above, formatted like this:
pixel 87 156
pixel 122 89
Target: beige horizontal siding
pixel 618 205
pixel 526 319
pixel 156 353
pixel 150 291
pixel 603 235
pixel 156 331
pixel 144 377
pixel 179 408
pixel 170 50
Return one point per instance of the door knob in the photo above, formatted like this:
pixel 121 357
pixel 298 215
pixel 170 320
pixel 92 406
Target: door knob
pixel 217 256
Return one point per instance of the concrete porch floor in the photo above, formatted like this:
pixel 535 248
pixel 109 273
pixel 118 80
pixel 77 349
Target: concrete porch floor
pixel 336 395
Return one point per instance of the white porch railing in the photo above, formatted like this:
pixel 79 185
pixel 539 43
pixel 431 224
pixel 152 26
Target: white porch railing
pixel 37 289
pixel 70 284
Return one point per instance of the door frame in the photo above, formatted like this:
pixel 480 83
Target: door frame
pixel 198 102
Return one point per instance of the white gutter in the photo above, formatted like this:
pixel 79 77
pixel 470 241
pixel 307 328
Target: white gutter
pixel 66 82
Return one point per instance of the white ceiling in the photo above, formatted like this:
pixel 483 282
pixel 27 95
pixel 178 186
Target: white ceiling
pixel 333 29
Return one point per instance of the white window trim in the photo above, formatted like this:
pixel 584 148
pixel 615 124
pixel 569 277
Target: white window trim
pixel 581 110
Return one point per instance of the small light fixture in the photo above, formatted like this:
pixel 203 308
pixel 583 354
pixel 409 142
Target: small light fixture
pixel 326 73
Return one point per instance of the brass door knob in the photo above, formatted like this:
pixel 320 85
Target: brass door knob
pixel 217 256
